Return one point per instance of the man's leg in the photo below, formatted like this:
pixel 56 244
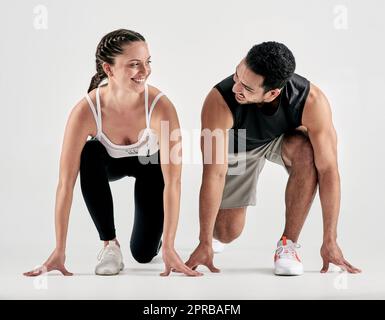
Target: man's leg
pixel 297 154
pixel 239 193
pixel 229 224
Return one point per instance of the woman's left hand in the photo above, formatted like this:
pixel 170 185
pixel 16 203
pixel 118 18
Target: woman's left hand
pixel 173 262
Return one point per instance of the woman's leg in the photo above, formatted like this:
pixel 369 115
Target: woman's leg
pixel 94 182
pixel 148 223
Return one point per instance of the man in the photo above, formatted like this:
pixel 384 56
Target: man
pixel 278 115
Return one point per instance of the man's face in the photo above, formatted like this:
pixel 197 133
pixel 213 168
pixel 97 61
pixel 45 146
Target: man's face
pixel 248 86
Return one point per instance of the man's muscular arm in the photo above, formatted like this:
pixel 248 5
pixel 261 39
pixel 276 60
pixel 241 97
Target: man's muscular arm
pixel 216 119
pixel 317 118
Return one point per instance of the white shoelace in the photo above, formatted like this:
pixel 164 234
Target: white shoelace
pixel 101 252
pixel 288 251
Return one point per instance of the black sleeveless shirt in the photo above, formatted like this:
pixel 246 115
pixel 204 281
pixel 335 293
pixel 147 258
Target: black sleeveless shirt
pixel 262 126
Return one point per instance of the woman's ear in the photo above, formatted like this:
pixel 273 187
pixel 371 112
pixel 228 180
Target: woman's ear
pixel 107 69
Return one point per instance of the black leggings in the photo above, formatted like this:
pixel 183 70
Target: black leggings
pixel 97 168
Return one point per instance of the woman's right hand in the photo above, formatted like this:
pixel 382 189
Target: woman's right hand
pixel 54 262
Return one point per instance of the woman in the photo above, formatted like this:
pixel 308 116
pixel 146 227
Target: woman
pixel 114 115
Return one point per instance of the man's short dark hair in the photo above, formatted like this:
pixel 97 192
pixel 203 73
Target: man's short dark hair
pixel 272 60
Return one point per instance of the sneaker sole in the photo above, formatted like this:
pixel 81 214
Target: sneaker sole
pixel 109 272
pixel 286 272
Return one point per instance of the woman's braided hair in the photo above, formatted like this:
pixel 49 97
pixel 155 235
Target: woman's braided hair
pixel 108 48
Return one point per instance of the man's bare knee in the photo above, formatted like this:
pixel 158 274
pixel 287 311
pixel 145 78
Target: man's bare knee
pixel 229 224
pixel 297 151
pixel 226 236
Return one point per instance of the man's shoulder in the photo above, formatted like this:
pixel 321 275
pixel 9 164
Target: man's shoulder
pixel 216 110
pixel 315 95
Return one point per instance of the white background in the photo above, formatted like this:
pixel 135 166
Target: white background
pixel 194 45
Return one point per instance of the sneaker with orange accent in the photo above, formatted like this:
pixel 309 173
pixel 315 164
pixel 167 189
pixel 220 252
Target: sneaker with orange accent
pixel 286 259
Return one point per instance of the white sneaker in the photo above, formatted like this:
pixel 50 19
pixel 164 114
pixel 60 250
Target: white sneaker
pixel 286 259
pixel 111 260
pixel 218 246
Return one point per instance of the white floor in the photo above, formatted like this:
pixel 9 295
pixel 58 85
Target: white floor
pixel 245 274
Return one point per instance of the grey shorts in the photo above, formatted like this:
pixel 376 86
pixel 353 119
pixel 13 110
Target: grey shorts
pixel 243 172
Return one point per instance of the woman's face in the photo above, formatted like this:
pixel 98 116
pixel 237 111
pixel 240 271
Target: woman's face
pixel 131 68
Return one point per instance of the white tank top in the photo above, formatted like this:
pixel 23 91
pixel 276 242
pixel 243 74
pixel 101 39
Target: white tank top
pixel 147 143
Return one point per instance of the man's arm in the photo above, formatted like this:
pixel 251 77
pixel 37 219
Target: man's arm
pixel 317 118
pixel 216 119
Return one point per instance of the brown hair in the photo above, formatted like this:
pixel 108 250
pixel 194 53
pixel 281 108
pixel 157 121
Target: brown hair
pixel 108 48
